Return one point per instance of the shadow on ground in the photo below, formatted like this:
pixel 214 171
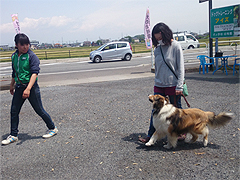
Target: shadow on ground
pixel 22 137
pixel 133 138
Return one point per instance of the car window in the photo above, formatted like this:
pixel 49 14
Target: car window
pixel 101 47
pixel 189 37
pixel 121 45
pixel 179 38
pixel 110 46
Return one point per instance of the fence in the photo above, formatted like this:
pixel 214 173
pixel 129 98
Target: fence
pixel 51 54
pixel 59 53
pixel 231 47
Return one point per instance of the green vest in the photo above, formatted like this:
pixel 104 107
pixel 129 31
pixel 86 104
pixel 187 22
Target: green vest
pixel 21 67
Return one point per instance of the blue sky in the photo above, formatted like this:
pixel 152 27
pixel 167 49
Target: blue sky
pixel 57 21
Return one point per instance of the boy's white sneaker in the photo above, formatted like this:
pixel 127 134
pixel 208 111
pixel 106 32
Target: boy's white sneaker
pixel 10 139
pixel 50 133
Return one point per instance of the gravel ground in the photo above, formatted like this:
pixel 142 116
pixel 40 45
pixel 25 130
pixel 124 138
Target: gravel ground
pixel 99 125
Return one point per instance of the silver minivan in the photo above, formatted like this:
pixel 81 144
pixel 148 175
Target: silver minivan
pixel 113 50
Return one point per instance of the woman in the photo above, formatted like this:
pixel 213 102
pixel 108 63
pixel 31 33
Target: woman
pixel 166 84
pixel 25 66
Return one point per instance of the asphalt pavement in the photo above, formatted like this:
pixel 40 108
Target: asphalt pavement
pixel 99 126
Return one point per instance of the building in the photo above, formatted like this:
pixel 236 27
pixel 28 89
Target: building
pixel 34 44
pixel 87 43
pixel 4 47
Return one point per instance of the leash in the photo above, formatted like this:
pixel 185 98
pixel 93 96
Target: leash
pixel 175 103
pixel 186 100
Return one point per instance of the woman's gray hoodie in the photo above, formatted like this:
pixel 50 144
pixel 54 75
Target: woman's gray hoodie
pixel 174 57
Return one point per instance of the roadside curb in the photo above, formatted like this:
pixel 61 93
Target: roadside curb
pixel 5 84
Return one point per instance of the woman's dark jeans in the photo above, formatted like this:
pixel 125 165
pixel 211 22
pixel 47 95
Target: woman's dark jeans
pixel 35 101
pixel 172 101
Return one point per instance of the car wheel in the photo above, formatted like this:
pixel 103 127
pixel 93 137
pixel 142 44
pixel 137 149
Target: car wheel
pixel 127 57
pixel 97 59
pixel 191 47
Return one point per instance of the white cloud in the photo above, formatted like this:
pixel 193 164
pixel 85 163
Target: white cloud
pixel 58 21
pixel 40 23
pixel 96 20
pixel 8 27
pixel 104 18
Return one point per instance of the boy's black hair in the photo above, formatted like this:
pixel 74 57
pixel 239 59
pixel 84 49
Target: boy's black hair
pixel 22 39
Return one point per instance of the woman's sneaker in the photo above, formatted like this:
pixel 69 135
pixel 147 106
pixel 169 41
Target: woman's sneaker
pixel 50 133
pixel 10 139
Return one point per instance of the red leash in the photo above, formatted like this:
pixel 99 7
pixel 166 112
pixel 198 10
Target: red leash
pixel 175 103
pixel 186 100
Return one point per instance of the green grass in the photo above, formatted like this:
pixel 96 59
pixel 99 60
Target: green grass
pixel 59 53
pixel 219 39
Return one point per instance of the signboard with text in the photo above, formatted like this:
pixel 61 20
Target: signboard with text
pixel 225 22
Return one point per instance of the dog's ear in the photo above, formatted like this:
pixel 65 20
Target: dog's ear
pixel 151 98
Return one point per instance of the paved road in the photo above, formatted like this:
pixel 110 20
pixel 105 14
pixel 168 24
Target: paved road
pixel 81 70
pixel 99 125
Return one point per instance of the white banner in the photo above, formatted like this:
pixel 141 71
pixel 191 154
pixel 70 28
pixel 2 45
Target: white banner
pixel 147 31
pixel 16 23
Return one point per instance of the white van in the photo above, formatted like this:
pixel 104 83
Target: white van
pixel 187 41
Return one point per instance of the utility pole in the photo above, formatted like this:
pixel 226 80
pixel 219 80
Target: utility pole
pixel 210 39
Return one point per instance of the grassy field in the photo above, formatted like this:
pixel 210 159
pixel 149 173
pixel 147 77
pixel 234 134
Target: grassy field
pixel 219 40
pixel 58 53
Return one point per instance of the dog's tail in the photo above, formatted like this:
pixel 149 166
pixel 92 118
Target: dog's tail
pixel 218 120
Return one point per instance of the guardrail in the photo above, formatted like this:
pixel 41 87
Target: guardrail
pixel 206 45
pixel 225 45
pixel 232 43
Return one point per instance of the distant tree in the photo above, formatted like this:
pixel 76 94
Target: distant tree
pixel 140 37
pixel 99 42
pixel 130 39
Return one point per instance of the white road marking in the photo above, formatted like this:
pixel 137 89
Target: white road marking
pixel 89 70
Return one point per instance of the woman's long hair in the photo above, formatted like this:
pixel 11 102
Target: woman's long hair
pixel 166 32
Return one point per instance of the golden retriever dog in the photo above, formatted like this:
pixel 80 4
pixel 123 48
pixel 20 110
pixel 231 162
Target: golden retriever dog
pixel 171 122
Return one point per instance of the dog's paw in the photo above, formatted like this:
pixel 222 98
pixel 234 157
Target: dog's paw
pixel 167 146
pixel 205 142
pixel 148 144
